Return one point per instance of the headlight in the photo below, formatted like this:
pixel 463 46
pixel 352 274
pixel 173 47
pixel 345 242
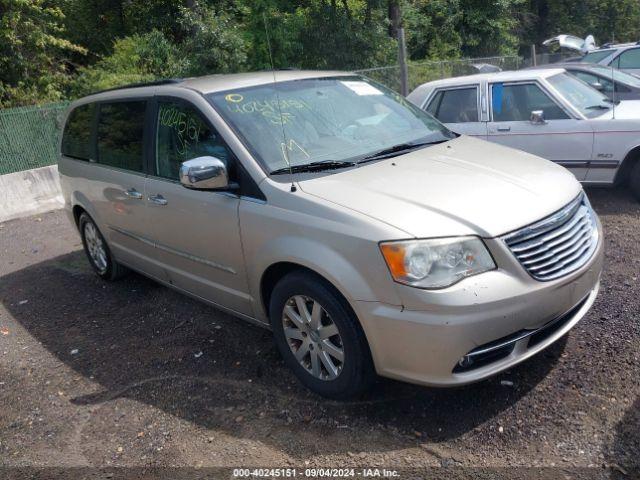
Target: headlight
pixel 438 262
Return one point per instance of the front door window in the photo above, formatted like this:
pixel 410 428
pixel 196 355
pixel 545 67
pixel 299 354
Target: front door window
pixel 182 134
pixel 514 103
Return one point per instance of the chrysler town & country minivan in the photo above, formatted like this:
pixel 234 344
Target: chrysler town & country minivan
pixel 364 233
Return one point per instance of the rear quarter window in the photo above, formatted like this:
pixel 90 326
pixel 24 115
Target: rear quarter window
pixel 76 137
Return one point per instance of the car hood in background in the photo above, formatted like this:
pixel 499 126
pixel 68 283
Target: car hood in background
pixel 462 187
pixel 625 110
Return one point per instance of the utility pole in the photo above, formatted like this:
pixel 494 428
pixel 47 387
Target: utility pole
pixel 534 60
pixel 402 63
pixel 395 18
pixel 396 31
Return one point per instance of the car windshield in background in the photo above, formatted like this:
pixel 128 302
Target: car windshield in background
pixel 588 100
pixel 595 57
pixel 332 121
pixel 617 75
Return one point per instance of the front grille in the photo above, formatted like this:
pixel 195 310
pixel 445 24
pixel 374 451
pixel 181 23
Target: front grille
pixel 558 244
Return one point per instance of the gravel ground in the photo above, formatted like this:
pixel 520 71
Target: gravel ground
pixel 131 374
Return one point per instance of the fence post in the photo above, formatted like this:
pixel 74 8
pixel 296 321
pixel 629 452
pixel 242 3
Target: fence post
pixel 534 60
pixel 402 61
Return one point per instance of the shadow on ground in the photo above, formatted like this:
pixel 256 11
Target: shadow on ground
pixel 142 341
pixel 623 455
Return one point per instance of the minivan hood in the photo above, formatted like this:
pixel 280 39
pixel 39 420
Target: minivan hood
pixel 462 187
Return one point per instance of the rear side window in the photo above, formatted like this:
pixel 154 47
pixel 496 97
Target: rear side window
pixel 120 135
pixel 628 59
pixel 455 106
pixel 76 138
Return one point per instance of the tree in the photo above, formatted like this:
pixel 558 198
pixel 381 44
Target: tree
pixel 607 20
pixel 33 51
pixel 431 29
pixel 212 42
pixel 135 59
pixel 338 36
pixel 488 28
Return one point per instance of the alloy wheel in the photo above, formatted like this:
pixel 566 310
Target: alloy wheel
pixel 313 337
pixel 96 247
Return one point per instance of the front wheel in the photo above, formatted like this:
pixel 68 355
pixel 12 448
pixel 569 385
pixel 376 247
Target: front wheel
pixel 634 181
pixel 319 337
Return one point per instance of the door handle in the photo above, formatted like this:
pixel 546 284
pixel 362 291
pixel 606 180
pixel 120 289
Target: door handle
pixel 158 199
pixel 133 193
pixel 504 129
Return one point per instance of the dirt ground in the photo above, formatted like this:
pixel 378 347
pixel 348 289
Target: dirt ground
pixel 131 374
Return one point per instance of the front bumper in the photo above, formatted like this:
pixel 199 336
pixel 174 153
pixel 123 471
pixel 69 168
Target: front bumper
pixel 423 341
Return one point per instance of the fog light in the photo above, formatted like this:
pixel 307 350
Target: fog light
pixel 465 361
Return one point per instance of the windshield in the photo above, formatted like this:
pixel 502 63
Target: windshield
pixel 595 57
pixel 332 119
pixel 588 100
pixel 617 75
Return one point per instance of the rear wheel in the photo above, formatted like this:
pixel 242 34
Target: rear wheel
pixel 319 337
pixel 634 181
pixel 97 250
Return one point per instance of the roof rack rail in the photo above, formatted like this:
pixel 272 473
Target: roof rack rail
pixel 165 81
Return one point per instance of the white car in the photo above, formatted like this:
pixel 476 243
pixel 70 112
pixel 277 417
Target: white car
pixel 623 56
pixel 548 113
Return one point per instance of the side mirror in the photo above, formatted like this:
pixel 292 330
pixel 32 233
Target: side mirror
pixel 598 86
pixel 204 173
pixel 537 117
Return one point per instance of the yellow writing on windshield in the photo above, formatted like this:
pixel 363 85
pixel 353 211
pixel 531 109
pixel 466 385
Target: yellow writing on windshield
pixel 234 98
pixel 268 108
pixel 290 147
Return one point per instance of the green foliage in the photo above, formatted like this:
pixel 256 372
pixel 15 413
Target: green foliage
pixel 135 59
pixel 342 36
pixel 432 28
pixel 487 27
pixel 212 42
pixel 55 49
pixel 607 20
pixel 32 52
pixel 448 29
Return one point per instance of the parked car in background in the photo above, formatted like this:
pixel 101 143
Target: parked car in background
pixel 364 233
pixel 623 56
pixel 614 83
pixel 548 113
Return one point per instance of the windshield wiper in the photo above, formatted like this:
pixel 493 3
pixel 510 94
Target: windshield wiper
pixel 397 149
pixel 313 167
pixel 598 107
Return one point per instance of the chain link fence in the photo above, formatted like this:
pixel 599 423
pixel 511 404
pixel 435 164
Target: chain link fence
pixel 546 58
pixel 29 137
pixel 422 72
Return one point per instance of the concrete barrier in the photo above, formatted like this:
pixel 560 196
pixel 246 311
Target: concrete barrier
pixel 29 192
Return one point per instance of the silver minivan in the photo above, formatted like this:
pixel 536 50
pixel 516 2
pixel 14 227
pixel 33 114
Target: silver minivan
pixel 364 233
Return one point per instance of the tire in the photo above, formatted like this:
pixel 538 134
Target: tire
pixel 97 250
pixel 355 373
pixel 634 181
